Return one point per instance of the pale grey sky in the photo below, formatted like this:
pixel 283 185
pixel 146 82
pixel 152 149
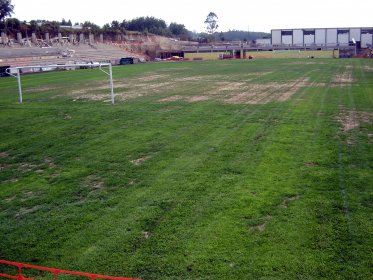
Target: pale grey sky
pixel 245 15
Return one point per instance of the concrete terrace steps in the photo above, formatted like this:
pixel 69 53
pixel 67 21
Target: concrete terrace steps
pixel 101 52
pixel 28 52
pixel 16 62
pixel 16 57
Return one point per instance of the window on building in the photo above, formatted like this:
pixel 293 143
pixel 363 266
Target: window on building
pixel 287 32
pixel 308 32
pixel 367 31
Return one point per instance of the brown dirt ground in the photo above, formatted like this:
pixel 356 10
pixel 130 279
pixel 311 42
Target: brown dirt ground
pixel 26 166
pixel 94 183
pixel 268 92
pixel 307 63
pixel 190 79
pixel 30 195
pixel 4 155
pixel 261 227
pixel 24 211
pixel 219 88
pixel 353 119
pixel 259 74
pixel 140 160
pixel 152 77
pixel 3 166
pixel 172 98
pixel 38 89
pixel 310 164
pixel 197 98
pixel 344 79
pixel 287 200
pixel 370 137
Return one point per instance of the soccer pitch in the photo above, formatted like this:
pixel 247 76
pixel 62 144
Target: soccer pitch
pixel 255 169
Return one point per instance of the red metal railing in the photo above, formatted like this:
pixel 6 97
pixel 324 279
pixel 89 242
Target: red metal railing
pixel 55 272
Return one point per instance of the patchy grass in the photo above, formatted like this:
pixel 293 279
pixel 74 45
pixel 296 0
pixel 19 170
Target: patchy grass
pixel 202 170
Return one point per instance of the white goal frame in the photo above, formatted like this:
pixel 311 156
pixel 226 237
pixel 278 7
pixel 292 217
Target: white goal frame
pixel 16 72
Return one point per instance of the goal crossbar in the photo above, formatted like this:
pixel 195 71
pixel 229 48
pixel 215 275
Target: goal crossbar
pixel 16 72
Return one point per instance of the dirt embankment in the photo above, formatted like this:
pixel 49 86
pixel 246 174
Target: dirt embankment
pixel 151 45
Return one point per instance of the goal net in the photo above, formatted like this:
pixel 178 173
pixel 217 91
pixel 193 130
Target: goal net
pixel 17 71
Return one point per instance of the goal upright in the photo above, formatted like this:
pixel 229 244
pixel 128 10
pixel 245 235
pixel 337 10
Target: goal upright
pixel 16 72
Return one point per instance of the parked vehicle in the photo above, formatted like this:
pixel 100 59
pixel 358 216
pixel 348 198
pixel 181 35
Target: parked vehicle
pixel 3 72
pixel 175 58
pixel 126 60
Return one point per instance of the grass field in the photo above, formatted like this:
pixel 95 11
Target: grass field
pixel 202 170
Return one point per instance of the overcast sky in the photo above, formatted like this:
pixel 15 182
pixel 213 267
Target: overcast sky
pixel 262 15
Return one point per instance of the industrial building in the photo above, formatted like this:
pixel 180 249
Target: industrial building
pixel 362 37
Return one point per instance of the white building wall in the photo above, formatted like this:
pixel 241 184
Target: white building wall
pixel 263 42
pixel 366 39
pixel 298 37
pixel 287 39
pixel 276 37
pixel 323 37
pixel 320 35
pixel 331 36
pixel 355 33
pixel 309 39
pixel 343 38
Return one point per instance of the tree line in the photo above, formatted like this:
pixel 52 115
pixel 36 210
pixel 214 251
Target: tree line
pixel 146 25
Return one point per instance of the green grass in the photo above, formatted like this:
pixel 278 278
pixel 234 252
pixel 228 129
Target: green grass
pixel 240 184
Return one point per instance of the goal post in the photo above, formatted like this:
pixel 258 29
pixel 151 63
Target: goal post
pixel 16 72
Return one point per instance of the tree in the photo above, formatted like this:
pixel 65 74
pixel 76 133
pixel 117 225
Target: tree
pixel 211 24
pixel 221 36
pixel 51 27
pixel 90 27
pixel 12 25
pixel 124 25
pixel 115 25
pixel 148 24
pixel 33 26
pixel 178 30
pixel 6 9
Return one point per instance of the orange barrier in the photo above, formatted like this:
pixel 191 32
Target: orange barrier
pixel 55 272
